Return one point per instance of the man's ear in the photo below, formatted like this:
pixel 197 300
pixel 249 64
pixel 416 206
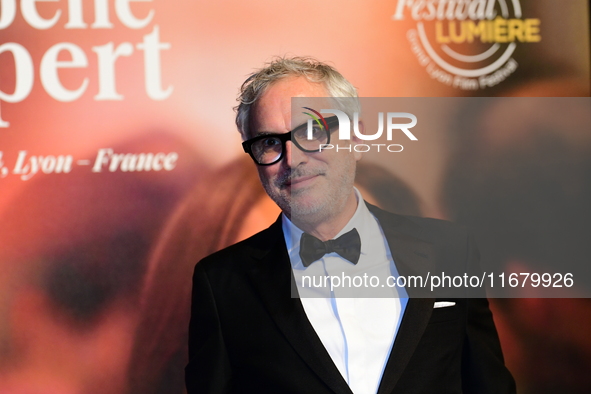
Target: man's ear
pixel 356 140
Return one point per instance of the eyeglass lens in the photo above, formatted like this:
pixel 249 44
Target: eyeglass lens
pixel 269 150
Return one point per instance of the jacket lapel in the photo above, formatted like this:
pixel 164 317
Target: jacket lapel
pixel 412 256
pixel 416 316
pixel 272 277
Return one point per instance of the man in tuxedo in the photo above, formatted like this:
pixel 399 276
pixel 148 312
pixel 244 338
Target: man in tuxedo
pixel 249 335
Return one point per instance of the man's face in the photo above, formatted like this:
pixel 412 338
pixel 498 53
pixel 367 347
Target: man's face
pixel 306 186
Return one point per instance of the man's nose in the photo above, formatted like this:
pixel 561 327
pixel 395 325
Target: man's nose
pixel 293 155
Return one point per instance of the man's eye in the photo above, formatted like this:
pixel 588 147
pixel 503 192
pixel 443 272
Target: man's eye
pixel 317 132
pixel 270 142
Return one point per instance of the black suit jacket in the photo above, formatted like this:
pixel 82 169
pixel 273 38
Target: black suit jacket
pixel 247 335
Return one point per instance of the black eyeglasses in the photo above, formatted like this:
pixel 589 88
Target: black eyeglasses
pixel 269 148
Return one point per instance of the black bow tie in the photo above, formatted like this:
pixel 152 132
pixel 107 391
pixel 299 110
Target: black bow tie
pixel 347 246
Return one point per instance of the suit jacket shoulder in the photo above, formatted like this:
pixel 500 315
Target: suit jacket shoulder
pixel 255 247
pixel 427 229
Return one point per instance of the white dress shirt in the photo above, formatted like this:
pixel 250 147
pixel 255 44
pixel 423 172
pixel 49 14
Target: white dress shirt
pixel 358 333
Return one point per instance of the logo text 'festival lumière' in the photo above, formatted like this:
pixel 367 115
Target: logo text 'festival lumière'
pixel 467 44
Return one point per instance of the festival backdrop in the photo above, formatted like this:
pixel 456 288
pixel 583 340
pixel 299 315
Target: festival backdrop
pixel 121 166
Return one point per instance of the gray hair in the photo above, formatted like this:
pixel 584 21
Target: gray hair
pixel 313 70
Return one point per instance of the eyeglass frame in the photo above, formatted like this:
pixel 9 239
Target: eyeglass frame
pixel 284 137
